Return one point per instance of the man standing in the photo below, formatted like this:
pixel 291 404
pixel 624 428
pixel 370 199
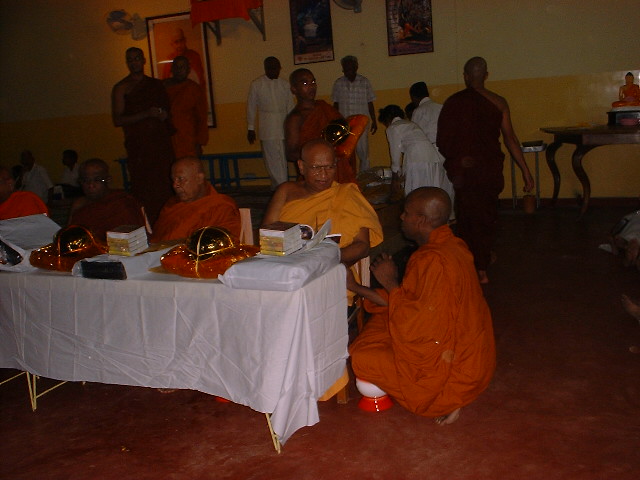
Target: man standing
pixel 140 105
pixel 426 112
pixel 34 177
pixel 270 97
pixel 469 130
pixel 352 94
pixel 188 110
pixel 429 342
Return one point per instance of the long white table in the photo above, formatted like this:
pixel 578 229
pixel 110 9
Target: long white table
pixel 276 352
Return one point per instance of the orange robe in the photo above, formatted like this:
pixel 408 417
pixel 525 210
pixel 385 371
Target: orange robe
pixel 178 219
pixel 22 204
pixel 189 117
pixel 312 128
pixel 114 209
pixel 432 348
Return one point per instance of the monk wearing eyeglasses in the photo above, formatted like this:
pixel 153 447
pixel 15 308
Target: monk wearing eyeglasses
pixel 307 120
pixel 318 197
pixel 102 209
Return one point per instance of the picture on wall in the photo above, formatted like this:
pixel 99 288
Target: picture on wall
pixel 409 27
pixel 173 35
pixel 311 31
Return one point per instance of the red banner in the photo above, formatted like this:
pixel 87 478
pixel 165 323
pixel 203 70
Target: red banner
pixel 209 10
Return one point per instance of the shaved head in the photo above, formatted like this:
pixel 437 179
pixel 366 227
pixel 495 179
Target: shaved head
pixel 475 72
pixel 433 202
pixel 188 177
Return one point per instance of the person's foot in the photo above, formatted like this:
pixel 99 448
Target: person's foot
pixel 482 277
pixel 448 419
pixel 632 307
pixel 631 252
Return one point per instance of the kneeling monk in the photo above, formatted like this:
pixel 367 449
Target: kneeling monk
pixel 196 204
pixel 429 343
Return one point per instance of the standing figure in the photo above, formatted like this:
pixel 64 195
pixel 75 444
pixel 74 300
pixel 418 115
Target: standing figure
pixel 307 120
pixel 413 157
pixel 140 105
pixel 353 95
pixel 188 110
pixel 469 129
pixel 34 177
pixel 270 97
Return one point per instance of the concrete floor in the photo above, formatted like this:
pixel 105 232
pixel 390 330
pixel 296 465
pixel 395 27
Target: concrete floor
pixel 564 402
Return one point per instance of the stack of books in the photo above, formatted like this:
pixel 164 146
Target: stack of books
pixel 127 240
pixel 280 238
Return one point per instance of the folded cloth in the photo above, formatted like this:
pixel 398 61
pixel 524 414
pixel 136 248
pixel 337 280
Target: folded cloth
pixel 33 231
pixel 284 274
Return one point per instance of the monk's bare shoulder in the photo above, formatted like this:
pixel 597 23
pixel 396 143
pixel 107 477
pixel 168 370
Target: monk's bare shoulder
pixel 496 99
pixel 289 191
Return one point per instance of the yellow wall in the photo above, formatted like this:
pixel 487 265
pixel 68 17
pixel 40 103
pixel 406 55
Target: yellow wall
pixel 558 62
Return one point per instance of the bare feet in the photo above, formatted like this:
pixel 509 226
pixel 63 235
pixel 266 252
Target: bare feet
pixel 632 307
pixel 482 276
pixel 448 419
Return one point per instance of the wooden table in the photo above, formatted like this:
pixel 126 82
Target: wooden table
pixel 585 139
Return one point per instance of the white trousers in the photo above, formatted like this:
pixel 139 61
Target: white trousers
pixel 362 150
pixel 275 161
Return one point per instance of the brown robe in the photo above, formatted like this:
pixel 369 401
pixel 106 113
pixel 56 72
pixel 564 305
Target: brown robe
pixel 189 116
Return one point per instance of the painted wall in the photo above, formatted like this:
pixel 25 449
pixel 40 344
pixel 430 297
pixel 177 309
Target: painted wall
pixel 558 62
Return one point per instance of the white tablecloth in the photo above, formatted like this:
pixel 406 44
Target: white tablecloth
pixel 276 352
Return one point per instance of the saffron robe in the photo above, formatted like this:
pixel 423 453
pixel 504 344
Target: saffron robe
pixel 22 204
pixel 149 149
pixel 347 208
pixel 189 117
pixel 469 139
pixel 312 128
pixel 432 348
pixel 114 209
pixel 179 219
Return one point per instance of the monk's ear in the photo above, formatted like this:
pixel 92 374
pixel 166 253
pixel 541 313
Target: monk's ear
pixel 301 166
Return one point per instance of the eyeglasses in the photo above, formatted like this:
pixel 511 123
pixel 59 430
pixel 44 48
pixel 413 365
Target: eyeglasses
pixel 86 181
pixel 316 169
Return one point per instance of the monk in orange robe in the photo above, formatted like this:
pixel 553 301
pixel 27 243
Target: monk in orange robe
pixel 102 209
pixel 429 343
pixel 17 204
pixel 318 198
pixel 307 120
pixel 196 204
pixel 188 110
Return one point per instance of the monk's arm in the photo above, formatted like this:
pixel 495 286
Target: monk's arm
pixel 359 248
pixel 292 126
pixel 513 145
pixel 118 105
pixel 365 292
pixel 279 198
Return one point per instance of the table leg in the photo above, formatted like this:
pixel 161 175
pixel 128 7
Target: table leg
pixel 551 162
pixel 576 163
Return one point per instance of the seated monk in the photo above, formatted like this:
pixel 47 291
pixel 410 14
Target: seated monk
pixel 429 343
pixel 17 204
pixel 629 93
pixel 196 204
pixel 318 198
pixel 102 209
pixel 307 120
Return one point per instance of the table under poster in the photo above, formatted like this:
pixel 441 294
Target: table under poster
pixel 274 351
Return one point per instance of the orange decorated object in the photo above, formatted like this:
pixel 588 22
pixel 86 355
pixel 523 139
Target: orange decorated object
pixel 344 135
pixel 207 253
pixel 71 244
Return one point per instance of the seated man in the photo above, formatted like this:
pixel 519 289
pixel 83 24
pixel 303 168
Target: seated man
pixel 196 204
pixel 17 204
pixel 102 209
pixel 307 120
pixel 318 198
pixel 429 343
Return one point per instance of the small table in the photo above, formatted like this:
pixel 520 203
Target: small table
pixel 585 139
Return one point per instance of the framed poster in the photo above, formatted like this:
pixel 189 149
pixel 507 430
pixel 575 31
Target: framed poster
pixel 173 35
pixel 409 27
pixel 311 32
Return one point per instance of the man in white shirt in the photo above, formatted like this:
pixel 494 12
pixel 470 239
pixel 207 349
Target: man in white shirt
pixel 270 97
pixel 352 95
pixel 34 177
pixel 426 112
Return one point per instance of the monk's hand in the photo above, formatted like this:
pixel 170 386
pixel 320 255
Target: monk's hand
pixel 385 271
